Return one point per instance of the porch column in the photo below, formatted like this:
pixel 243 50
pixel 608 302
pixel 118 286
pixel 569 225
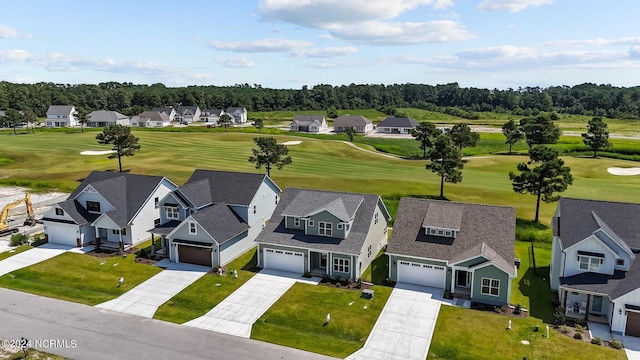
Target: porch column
pixel 586 311
pixel 121 241
pixel 153 245
pixel 564 300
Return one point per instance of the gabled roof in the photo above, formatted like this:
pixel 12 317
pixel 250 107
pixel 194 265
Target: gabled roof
pixel 197 192
pixel 275 232
pixel 210 112
pixel 232 109
pixel 106 116
pixel 306 120
pixel 187 110
pixel 616 285
pixel 166 110
pixel 77 212
pixel 485 251
pixel 349 120
pixel 234 188
pixel 493 225
pixel 341 205
pixel 577 222
pixel 59 109
pixel 220 222
pixel 444 214
pixel 153 116
pixel 398 122
pixel 125 192
pixel 612 235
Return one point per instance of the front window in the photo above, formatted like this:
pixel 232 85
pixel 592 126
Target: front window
pixel 172 212
pixel 192 228
pixel 255 209
pixel 93 206
pixel 296 222
pixel 490 287
pixel 590 263
pixel 375 218
pixel 620 262
pixel 156 200
pixel 324 228
pixel 341 265
pixel 59 212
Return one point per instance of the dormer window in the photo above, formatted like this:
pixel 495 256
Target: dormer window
pixel 432 231
pixel 339 226
pixel 193 229
pixel 93 206
pixel 59 212
pixel 440 232
pixel 172 212
pixel 620 262
pixel 296 221
pixel 589 263
pixel 325 228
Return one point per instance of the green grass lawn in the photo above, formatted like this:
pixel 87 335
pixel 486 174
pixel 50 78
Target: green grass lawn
pixel 529 289
pixel 463 334
pixel 203 295
pixel 14 251
pixel 297 319
pixel 378 271
pixel 80 278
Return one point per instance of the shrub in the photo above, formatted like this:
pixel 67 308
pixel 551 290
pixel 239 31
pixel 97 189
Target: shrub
pixel 559 317
pixel 306 275
pixel 577 336
pixel 596 341
pixel 143 253
pixel 580 328
pixel 518 309
pixel 564 329
pixel 38 239
pixel 615 344
pixel 216 268
pixel 19 239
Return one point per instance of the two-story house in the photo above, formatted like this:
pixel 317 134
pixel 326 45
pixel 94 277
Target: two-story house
pixel 361 124
pixel 187 114
pixel 467 249
pixel 109 209
pixel 170 111
pixel 328 233
pixel 61 116
pixel 309 123
pixel 593 262
pixel 211 115
pixel 239 114
pixel 215 216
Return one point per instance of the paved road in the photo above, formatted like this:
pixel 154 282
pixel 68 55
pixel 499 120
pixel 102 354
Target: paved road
pixel 107 335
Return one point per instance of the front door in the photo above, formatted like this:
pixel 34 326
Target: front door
pixel 596 305
pixel 323 261
pixel 462 278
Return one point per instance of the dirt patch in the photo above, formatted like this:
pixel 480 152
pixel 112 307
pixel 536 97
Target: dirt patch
pixel 506 310
pixel 353 285
pixel 142 260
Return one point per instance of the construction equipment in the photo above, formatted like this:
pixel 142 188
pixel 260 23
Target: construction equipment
pixel 30 221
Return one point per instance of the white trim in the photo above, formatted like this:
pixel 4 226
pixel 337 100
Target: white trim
pixel 489 262
pixel 490 286
pixel 596 238
pixel 446 262
pixel 151 196
pixel 584 292
pixel 193 228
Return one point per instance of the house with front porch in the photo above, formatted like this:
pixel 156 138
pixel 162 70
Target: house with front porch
pixel 215 216
pixel 108 209
pixel 151 119
pixel 395 125
pixel 464 249
pixel 211 115
pixel 187 114
pixel 593 262
pixel 309 123
pixel 170 111
pixel 103 118
pixel 324 233
pixel 61 116
pixel 361 124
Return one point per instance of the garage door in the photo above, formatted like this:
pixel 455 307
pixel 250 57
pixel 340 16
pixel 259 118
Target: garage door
pixel 633 324
pixel 421 274
pixel 61 234
pixel 284 260
pixel 194 255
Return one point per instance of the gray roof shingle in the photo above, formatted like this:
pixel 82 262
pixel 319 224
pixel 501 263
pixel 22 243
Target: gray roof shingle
pixel 234 188
pixel 350 121
pixel 59 109
pixel 341 205
pixel 106 116
pixel 306 120
pixel 489 224
pixel 77 212
pixel 444 214
pixel 153 116
pixel 398 122
pixel 186 110
pixel 616 285
pixel 275 232
pixel 197 192
pixel 220 222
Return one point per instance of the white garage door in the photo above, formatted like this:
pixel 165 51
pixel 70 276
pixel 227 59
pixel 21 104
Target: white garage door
pixel 61 234
pixel 284 260
pixel 421 274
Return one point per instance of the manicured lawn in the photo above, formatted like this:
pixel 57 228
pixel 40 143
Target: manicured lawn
pixel 464 334
pixel 80 278
pixel 532 290
pixel 203 295
pixel 297 319
pixel 14 251
pixel 378 271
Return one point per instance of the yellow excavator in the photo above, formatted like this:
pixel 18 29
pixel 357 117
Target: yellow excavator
pixel 30 221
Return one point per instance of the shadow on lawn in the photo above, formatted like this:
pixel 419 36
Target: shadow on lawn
pixel 536 288
pixel 380 269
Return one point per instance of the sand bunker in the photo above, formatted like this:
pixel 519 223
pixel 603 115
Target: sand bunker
pixel 292 143
pixel 100 152
pixel 624 171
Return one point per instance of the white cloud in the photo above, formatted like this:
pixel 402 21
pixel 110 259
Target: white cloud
pixel 385 33
pixel 320 13
pixel 597 42
pixel 14 55
pixel 264 45
pixel 328 52
pixel 236 62
pixel 511 5
pixel 7 32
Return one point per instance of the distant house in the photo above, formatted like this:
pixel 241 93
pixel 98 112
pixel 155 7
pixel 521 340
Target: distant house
pixel 594 265
pixel 467 249
pixel 187 114
pixel 309 123
pixel 61 116
pixel 170 111
pixel 394 125
pixel 115 208
pixel 151 119
pixel 360 123
pixel 239 114
pixel 102 118
pixel 215 216
pixel 211 115
pixel 325 233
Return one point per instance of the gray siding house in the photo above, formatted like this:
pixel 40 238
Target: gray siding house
pixel 102 118
pixel 324 233
pixel 211 115
pixel 215 216
pixel 466 249
pixel 309 123
pixel 187 114
pixel 239 114
pixel 169 111
pixel 593 262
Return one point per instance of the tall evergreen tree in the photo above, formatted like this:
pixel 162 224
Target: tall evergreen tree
pixel 258 124
pixel 425 133
pixel 122 141
pixel 540 130
pixel 225 120
pixel 269 153
pixel 512 133
pixel 446 161
pixel 597 135
pixel 462 136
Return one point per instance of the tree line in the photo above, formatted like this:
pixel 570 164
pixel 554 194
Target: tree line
pixel 131 99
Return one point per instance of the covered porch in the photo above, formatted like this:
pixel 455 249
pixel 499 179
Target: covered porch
pixel 461 283
pixel 318 263
pixel 588 306
pixel 160 246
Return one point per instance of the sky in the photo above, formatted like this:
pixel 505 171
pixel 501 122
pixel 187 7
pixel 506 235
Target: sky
pixel 291 43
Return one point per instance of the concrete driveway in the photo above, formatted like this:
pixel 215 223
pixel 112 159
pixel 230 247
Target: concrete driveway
pixel 31 257
pixel 236 314
pixel 405 326
pixel 144 299
pixel 631 347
